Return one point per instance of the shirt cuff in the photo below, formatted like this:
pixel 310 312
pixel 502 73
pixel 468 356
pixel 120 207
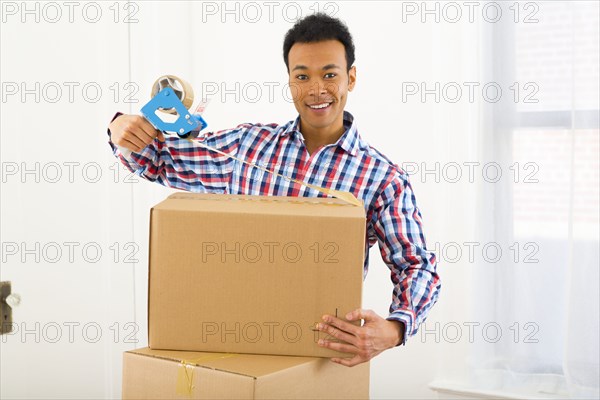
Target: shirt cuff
pixel 125 152
pixel 407 318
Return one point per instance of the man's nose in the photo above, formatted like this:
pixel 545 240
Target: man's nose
pixel 317 89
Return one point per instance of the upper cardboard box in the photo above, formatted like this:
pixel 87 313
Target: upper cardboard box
pixel 251 274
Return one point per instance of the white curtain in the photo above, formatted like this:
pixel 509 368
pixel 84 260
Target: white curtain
pixel 540 299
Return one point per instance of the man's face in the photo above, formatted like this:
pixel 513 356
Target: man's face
pixel 319 83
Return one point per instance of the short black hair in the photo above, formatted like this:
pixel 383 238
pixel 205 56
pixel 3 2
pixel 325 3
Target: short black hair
pixel 319 27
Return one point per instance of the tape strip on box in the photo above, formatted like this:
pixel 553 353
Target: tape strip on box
pixel 185 372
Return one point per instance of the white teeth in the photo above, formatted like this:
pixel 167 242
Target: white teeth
pixel 320 106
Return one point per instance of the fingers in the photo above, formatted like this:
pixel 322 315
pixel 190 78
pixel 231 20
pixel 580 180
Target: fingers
pixel 130 145
pixel 134 132
pixel 364 342
pixel 340 324
pixel 137 138
pixel 342 347
pixel 141 134
pixel 349 362
pixel 337 333
pixel 358 314
pixel 147 128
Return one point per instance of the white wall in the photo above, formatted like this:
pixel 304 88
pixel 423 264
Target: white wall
pixel 171 37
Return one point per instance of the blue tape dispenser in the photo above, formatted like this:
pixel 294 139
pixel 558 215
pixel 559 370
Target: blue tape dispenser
pixel 168 110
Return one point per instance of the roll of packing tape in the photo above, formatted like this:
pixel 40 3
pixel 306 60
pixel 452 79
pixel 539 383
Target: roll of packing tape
pixel 181 88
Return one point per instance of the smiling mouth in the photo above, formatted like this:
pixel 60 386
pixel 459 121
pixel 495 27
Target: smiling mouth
pixel 320 106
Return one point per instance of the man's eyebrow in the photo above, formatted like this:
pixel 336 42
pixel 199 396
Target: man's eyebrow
pixel 326 67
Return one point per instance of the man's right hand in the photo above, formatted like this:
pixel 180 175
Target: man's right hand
pixel 133 132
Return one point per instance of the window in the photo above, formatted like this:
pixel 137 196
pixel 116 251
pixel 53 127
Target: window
pixel 547 134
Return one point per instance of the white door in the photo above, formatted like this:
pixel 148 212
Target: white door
pixel 67 237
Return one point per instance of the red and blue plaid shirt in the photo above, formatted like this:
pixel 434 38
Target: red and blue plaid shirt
pixel 351 165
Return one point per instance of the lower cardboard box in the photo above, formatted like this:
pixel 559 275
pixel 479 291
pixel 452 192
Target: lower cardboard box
pixel 164 374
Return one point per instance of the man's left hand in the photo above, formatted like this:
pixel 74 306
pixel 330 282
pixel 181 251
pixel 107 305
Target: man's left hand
pixel 366 341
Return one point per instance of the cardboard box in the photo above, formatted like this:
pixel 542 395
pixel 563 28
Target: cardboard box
pixel 163 374
pixel 251 274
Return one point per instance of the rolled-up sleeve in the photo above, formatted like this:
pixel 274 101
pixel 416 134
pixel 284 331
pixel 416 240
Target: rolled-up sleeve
pixel 399 232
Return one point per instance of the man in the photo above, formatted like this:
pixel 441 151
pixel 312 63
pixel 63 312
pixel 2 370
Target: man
pixel 321 147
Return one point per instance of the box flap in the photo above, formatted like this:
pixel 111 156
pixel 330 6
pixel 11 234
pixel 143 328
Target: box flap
pixel 242 364
pixel 273 205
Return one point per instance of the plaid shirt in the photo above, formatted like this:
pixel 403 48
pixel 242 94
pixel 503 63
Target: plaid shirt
pixel 393 219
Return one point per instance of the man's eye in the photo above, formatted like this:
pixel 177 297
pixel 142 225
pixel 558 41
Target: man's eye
pixel 330 75
pixel 301 77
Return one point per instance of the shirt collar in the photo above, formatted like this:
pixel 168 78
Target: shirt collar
pixel 349 141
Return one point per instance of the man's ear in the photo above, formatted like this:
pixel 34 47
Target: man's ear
pixel 351 78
